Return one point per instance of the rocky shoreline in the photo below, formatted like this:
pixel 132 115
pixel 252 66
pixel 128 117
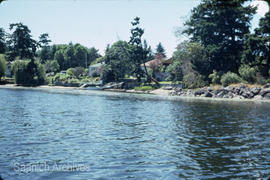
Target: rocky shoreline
pixel 233 92
pixel 241 91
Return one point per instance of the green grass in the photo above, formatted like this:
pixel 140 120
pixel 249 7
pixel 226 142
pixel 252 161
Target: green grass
pixel 144 88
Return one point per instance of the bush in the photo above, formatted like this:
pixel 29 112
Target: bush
pixel 70 71
pixel 28 73
pixel 77 71
pixel 230 78
pixel 144 88
pixel 194 80
pixel 2 66
pixel 247 73
pixel 260 79
pixel 215 77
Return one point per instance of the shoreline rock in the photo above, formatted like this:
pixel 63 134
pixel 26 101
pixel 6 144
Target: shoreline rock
pixel 230 92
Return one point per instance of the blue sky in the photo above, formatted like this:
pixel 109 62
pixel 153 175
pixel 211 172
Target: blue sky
pixel 99 22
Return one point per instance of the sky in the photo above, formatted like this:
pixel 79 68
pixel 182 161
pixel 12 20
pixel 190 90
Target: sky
pixel 96 23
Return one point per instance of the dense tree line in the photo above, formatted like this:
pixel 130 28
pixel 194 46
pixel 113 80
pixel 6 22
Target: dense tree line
pixel 221 47
pixel 35 56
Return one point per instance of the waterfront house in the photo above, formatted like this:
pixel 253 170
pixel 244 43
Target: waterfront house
pixel 95 69
pixel 155 64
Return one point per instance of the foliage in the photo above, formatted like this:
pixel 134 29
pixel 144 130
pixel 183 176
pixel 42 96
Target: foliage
pixel 107 74
pixel 98 60
pixel 198 59
pixel 138 52
pixel 256 48
pixel 2 66
pixel 175 71
pixel 194 80
pixel 247 73
pixel 230 78
pixel 160 50
pixel 20 42
pixel 70 56
pixel 2 41
pixel 220 29
pixel 52 66
pixel 28 73
pixel 260 79
pixel 215 77
pixel 117 58
pixel 44 40
pixel 144 88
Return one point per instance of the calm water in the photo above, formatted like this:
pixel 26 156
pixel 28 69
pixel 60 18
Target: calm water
pixel 58 134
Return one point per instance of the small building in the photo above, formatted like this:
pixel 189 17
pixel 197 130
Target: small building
pixel 63 72
pixel 95 69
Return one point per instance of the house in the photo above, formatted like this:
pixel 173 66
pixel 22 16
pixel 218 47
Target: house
pixel 95 69
pixel 155 65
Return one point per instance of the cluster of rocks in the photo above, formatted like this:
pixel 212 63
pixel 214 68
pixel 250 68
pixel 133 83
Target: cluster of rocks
pixel 238 92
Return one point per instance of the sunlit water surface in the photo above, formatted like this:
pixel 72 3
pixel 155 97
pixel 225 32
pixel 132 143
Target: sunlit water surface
pixel 76 134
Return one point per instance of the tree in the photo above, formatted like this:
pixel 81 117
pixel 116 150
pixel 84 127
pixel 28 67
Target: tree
pixel 59 57
pixel 44 40
pixel 20 42
pixel 117 61
pixel 257 47
pixel 219 26
pixel 2 66
pixel 2 41
pixel 52 66
pixel 69 56
pixel 44 54
pixel 92 55
pixel 44 44
pixel 80 55
pixel 28 72
pixel 138 53
pixel 160 50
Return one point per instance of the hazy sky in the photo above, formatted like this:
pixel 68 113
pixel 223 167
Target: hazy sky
pixel 99 22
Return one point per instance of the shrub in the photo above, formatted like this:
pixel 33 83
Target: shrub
pixel 28 73
pixel 247 73
pixel 2 66
pixel 230 78
pixel 70 71
pixel 144 88
pixel 260 79
pixel 77 71
pixel 215 77
pixel 194 80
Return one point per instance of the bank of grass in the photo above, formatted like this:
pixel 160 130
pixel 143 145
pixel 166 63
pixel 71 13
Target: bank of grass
pixel 144 88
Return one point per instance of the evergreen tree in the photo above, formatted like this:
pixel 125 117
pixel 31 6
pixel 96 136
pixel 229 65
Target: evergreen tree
pixel 138 53
pixel 220 26
pixel 257 47
pixel 20 42
pixel 160 50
